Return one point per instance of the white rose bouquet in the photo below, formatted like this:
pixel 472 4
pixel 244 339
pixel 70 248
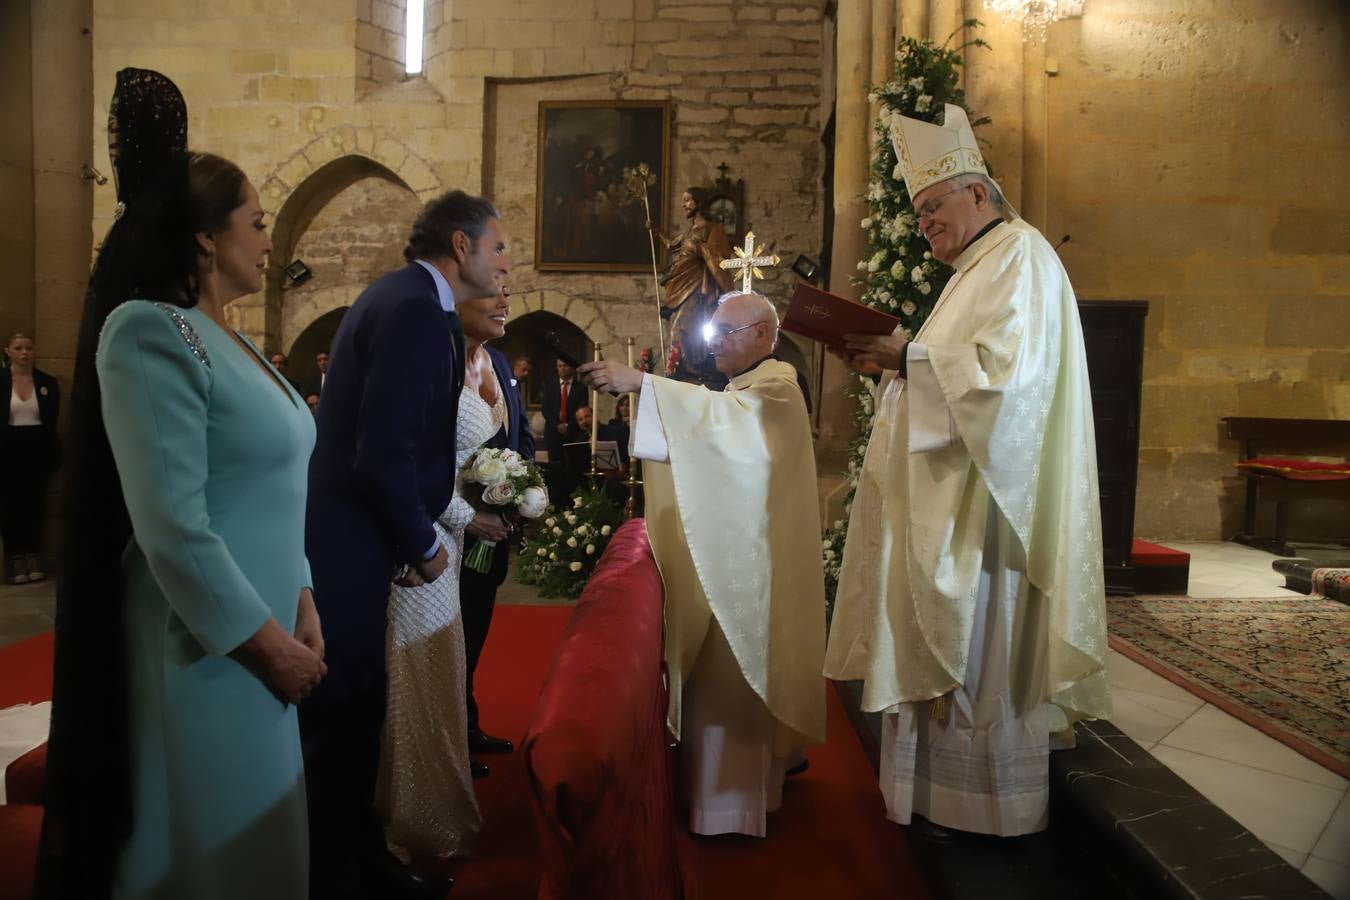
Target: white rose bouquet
pixel 503 482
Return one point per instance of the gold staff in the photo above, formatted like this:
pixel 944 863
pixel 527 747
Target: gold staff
pixel 639 180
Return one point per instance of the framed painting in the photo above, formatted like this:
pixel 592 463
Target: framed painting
pixel 589 217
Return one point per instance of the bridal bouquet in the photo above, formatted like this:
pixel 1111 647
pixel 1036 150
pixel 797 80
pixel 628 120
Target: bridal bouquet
pixel 500 481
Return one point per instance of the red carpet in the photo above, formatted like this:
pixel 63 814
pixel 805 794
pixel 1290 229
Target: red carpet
pixel 830 841
pixel 26 671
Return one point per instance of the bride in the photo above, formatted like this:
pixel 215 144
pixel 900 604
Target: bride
pixel 425 790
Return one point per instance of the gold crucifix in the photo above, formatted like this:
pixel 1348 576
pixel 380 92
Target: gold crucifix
pixel 748 260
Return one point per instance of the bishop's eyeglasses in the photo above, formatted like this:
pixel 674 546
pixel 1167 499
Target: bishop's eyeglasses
pixel 932 205
pixel 721 332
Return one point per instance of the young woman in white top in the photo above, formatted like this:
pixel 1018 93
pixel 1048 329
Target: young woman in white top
pixel 29 453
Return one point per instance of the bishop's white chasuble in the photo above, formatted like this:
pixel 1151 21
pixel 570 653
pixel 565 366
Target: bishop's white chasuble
pixel 734 523
pixel 972 569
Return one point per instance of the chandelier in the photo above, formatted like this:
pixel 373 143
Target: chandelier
pixel 1034 16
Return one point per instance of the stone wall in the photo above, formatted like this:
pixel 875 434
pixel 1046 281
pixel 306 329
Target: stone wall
pixel 293 91
pixel 355 237
pixel 16 170
pixel 1199 155
pixel 1198 152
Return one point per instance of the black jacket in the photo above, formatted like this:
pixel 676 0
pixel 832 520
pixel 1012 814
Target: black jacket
pixel 49 408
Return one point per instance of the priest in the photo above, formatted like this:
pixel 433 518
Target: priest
pixel 970 598
pixel 734 523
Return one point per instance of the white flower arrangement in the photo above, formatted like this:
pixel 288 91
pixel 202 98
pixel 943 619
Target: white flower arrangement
pixel 571 548
pixel 500 481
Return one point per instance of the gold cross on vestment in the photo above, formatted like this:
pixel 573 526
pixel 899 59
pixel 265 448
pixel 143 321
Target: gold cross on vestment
pixel 748 260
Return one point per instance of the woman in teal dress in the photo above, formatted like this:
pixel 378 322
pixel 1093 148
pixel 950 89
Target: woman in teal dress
pixel 220 638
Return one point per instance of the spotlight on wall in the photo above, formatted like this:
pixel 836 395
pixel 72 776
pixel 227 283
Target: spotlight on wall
pixel 807 269
pixel 297 273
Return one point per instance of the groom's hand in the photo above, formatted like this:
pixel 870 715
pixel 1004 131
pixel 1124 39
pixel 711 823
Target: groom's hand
pixel 425 571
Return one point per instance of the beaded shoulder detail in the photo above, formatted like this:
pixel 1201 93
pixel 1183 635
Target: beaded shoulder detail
pixel 194 340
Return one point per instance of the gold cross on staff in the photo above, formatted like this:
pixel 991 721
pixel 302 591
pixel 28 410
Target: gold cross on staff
pixel 748 260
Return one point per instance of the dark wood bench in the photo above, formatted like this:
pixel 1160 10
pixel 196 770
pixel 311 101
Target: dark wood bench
pixel 1262 437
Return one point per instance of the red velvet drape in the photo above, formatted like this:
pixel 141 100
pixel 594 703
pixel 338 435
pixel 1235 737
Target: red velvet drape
pixel 596 749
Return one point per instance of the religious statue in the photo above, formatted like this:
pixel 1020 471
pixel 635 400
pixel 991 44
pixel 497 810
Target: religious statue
pixel 693 280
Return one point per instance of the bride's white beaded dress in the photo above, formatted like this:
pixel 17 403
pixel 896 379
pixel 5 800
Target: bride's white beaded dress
pixel 425 790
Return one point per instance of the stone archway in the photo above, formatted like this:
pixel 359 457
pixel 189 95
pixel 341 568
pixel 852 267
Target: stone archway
pixel 348 221
pixel 340 156
pixel 375 145
pixel 525 337
pixel 317 336
pixel 580 311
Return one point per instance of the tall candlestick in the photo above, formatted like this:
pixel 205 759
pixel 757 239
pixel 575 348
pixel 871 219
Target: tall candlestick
pixel 631 504
pixel 595 428
pixel 632 398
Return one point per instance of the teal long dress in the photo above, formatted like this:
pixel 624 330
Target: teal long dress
pixel 212 456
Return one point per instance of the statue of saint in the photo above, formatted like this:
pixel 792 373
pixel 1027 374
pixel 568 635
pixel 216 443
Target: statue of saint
pixel 693 281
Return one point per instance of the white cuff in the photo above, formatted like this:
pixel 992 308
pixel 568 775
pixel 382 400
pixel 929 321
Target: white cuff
pixel 648 439
pixel 931 426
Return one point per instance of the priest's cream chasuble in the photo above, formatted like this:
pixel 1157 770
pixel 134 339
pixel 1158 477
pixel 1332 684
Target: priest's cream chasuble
pixel 1011 425
pixel 734 523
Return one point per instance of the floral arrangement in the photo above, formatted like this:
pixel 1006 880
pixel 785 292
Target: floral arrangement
pixel 501 481
pixel 645 360
pixel 898 273
pixel 561 557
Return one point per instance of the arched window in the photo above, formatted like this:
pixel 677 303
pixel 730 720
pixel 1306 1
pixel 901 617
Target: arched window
pixel 389 40
pixel 416 23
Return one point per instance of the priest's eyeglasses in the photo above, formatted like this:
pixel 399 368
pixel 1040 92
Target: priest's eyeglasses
pixel 931 206
pixel 711 331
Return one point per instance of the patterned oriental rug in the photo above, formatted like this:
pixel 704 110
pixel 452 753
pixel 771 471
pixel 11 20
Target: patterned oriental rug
pixel 1282 664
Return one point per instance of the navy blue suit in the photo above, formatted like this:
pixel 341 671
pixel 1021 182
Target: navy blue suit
pixel 383 468
pixel 478 590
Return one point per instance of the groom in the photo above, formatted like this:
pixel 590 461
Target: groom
pixel 383 469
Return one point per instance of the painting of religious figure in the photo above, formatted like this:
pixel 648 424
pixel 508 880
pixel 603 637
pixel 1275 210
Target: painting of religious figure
pixel 589 216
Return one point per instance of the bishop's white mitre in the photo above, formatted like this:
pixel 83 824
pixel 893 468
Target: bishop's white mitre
pixel 931 153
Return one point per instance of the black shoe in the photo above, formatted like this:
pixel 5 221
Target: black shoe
pixel 930 831
pixel 479 770
pixel 389 878
pixel 798 769
pixel 486 743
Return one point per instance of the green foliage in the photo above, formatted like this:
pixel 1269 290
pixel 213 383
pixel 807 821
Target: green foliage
pixel 898 273
pixel 560 558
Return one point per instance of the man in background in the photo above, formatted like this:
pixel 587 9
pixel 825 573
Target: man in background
pixel 563 396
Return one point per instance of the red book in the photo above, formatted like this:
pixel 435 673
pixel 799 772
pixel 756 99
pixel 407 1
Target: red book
pixel 827 317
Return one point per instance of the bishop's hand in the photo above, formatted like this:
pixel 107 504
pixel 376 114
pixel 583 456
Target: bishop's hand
pixel 611 376
pixel 850 359
pixel 867 353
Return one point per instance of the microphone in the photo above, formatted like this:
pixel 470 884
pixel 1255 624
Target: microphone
pixel 551 338
pixel 1062 241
